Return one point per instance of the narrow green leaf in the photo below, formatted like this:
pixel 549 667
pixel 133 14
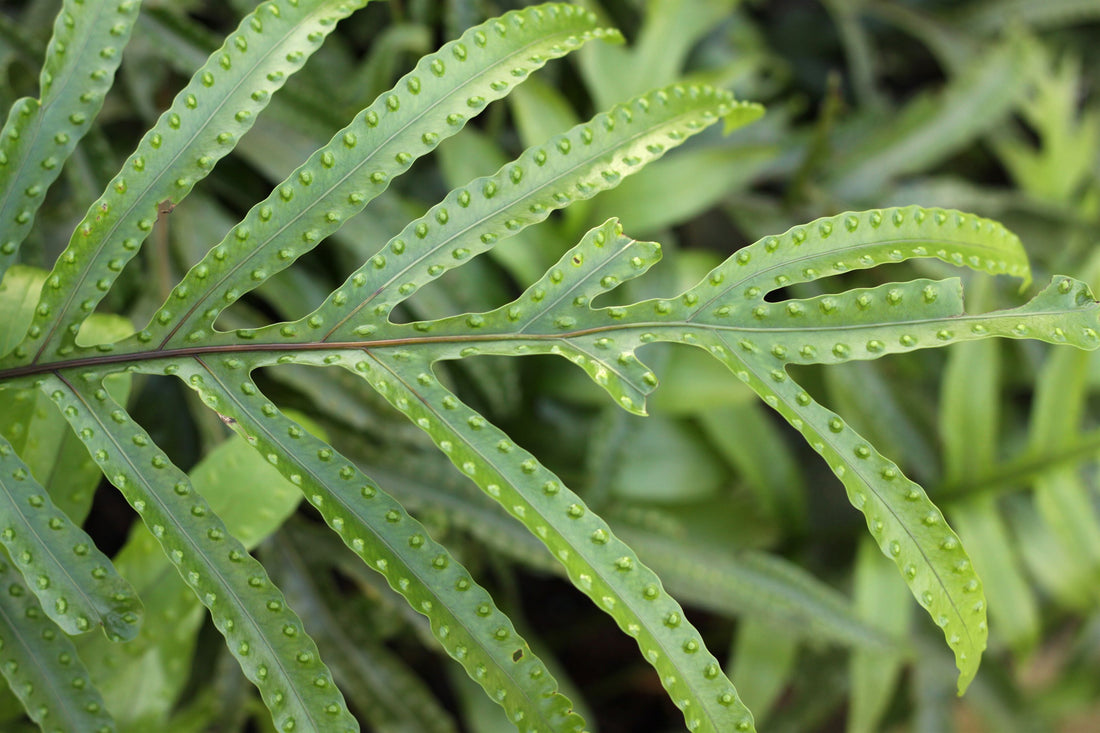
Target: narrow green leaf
pixel 76 584
pixel 1061 497
pixel 37 432
pixel 1014 609
pixel 763 663
pixel 19 288
pixel 430 103
pixel 881 601
pixel 704 576
pixel 526 254
pixel 907 526
pixel 969 403
pixel 756 585
pixel 950 44
pixel 763 459
pixel 661 460
pixel 1055 570
pixel 859 240
pixel 40 134
pixel 141 679
pixel 379 530
pixel 41 665
pixel 670 29
pixel 235 84
pixel 686 184
pixel 934 126
pixel 541 111
pixel 263 634
pixel 888 413
pixel 990 17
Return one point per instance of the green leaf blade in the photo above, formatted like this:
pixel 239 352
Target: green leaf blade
pixel 883 602
pixel 264 635
pixel 41 665
pixel 899 317
pixel 908 528
pixel 76 584
pixel 40 135
pixel 859 240
pixel 597 562
pixel 376 680
pixel 559 302
pixel 429 104
pixel 379 530
pixel 235 85
pixel 576 165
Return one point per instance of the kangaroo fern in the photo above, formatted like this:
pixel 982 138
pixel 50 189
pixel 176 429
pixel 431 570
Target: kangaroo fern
pixel 68 586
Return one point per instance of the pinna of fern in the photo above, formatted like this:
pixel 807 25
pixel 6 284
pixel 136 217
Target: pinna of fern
pixel 67 584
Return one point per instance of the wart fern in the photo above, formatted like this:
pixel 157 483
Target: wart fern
pixel 57 345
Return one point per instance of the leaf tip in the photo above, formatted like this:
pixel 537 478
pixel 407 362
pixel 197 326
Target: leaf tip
pixel 1026 277
pixel 613 36
pixel 740 115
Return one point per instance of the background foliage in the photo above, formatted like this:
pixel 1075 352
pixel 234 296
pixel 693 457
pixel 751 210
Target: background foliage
pixel 986 106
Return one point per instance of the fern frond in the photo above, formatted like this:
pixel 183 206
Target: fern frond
pixel 728 315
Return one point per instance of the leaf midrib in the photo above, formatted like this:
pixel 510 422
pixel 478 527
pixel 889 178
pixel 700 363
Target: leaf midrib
pixel 101 360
